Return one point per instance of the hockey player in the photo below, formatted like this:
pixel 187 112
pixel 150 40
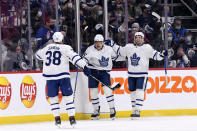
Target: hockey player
pixel 56 57
pixel 138 55
pixel 99 58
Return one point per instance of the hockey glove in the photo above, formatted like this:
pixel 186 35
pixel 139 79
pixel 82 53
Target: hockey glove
pixel 86 71
pixel 164 53
pixel 109 43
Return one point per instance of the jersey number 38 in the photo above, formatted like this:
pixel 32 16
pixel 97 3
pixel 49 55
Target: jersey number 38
pixel 53 57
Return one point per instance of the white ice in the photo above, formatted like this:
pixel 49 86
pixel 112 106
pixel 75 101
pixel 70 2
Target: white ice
pixel 179 123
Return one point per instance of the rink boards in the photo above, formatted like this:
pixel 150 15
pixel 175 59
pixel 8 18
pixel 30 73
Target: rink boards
pixel 23 96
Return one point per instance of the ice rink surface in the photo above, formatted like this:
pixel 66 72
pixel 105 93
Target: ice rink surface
pixel 179 123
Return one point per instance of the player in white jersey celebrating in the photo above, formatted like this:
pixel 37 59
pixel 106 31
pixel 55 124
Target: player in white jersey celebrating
pixel 99 58
pixel 56 57
pixel 138 55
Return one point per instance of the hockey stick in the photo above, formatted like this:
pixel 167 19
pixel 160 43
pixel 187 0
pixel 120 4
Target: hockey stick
pixel 165 66
pixel 112 88
pixel 166 40
pixel 75 87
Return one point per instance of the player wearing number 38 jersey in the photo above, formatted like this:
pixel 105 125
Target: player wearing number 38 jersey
pixel 56 57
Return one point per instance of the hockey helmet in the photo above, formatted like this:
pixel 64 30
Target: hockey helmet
pixel 58 37
pixel 139 34
pixel 98 37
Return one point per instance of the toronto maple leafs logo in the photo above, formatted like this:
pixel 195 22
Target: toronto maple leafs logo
pixel 104 61
pixel 135 60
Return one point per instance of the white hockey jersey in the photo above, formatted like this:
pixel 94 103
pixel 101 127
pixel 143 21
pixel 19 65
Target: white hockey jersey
pixel 56 59
pixel 138 58
pixel 100 59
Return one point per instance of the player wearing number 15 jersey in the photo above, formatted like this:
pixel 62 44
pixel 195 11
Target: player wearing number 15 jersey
pixel 56 57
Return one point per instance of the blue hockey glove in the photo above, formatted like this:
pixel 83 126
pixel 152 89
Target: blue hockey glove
pixel 87 71
pixel 109 43
pixel 164 53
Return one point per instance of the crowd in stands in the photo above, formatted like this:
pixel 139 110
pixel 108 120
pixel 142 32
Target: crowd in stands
pixel 143 15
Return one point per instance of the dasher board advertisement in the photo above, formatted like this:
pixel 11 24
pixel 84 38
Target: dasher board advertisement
pixel 25 93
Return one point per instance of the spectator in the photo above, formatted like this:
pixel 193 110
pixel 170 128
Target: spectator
pixel 99 29
pixel 68 22
pixel 151 24
pixel 45 33
pixel 21 62
pixel 134 9
pixel 89 4
pixel 36 17
pixel 171 42
pixel 180 58
pixel 194 61
pixel 16 59
pixel 190 54
pixel 178 31
pixel 50 9
pixel 97 15
pixel 135 28
pixel 188 42
pixel 146 17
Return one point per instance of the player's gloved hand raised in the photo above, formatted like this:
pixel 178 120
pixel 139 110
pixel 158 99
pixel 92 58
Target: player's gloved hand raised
pixel 86 71
pixel 109 43
pixel 164 53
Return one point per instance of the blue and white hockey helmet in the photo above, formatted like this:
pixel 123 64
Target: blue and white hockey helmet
pixel 98 37
pixel 139 34
pixel 58 37
pixel 142 37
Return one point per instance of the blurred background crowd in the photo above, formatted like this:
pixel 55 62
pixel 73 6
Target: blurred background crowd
pixel 20 38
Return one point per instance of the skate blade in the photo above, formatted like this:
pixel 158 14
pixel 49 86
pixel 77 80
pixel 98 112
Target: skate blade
pixel 113 118
pixel 58 125
pixel 73 125
pixel 135 118
pixel 95 118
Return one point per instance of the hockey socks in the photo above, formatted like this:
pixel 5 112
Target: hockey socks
pixel 70 107
pixel 137 99
pixel 110 100
pixel 95 103
pixel 55 108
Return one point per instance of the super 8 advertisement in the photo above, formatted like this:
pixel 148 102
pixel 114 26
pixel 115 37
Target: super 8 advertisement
pixel 24 93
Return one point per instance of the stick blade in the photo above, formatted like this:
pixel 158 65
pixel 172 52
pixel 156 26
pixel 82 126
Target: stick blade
pixel 116 87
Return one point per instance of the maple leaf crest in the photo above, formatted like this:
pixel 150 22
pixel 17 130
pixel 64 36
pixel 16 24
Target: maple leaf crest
pixel 135 60
pixel 104 61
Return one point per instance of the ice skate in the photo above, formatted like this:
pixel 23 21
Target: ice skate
pixel 96 114
pixel 58 121
pixel 113 113
pixel 72 121
pixel 135 115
